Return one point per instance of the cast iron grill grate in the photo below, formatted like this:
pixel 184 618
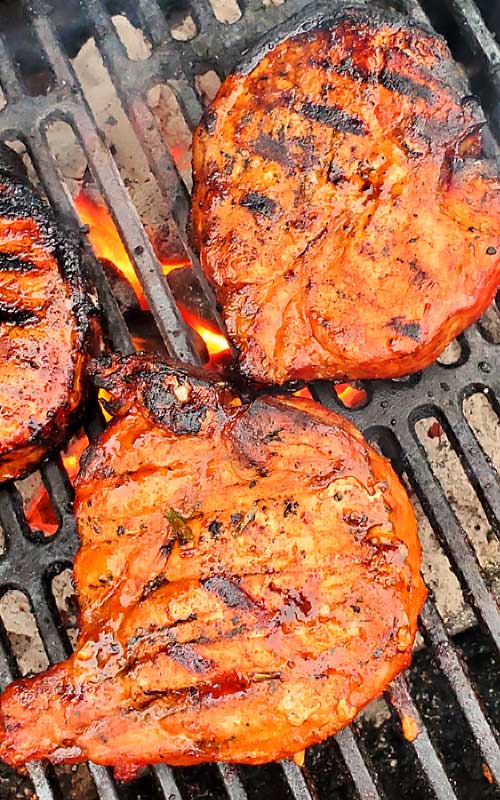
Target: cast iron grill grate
pixel 29 562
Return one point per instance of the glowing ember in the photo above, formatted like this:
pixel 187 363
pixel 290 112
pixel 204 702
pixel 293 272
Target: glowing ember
pixel 107 244
pixel 39 512
pixel 304 393
pixel 102 396
pixel 350 395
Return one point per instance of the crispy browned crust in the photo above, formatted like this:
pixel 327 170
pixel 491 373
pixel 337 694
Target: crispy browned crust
pixel 341 205
pixel 44 325
pixel 248 580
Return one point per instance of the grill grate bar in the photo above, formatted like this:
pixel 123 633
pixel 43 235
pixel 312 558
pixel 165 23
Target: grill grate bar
pixel 450 533
pixel 296 780
pixel 56 646
pixel 475 463
pixel 166 779
pixel 35 770
pixel 400 697
pixel 356 764
pixel 11 86
pixel 482 43
pixel 450 665
pixel 103 782
pixel 232 781
pixel 40 781
pixel 145 127
pixel 46 168
pixel 176 335
pixel 476 31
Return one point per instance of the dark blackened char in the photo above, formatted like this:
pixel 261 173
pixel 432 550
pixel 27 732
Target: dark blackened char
pixel 358 229
pixel 246 584
pixel 44 324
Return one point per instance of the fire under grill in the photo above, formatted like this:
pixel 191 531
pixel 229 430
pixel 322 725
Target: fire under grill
pixel 450 694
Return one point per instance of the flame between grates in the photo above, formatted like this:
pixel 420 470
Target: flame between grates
pixel 153 58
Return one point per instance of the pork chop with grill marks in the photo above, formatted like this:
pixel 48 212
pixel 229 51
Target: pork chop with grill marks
pixel 44 324
pixel 342 205
pixel 248 580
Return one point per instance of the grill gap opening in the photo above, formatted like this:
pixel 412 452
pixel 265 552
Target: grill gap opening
pixel 21 148
pixel 144 787
pixel 332 779
pixel 392 757
pixel 104 238
pixel 200 781
pixel 489 324
pixel 474 65
pixel 483 664
pixel 448 728
pixel 447 468
pixel 75 782
pixel 29 59
pixel 125 148
pixel 226 11
pixel 451 355
pixel 181 23
pixel 22 632
pixel 491 16
pixel 265 780
pixel 207 85
pixel 133 38
pixel 354 395
pixel 173 128
pixel 63 593
pixel 437 571
pixel 483 419
pixel 41 516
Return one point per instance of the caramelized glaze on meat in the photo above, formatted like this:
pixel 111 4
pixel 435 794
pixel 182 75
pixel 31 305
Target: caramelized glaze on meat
pixel 248 580
pixel 341 204
pixel 44 325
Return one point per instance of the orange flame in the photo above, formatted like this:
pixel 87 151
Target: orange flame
pixel 39 512
pixel 107 244
pixel 350 395
pixel 216 343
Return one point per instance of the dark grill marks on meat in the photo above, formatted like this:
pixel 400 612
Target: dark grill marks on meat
pixel 45 321
pixel 246 585
pixel 16 316
pixel 357 168
pixel 258 203
pixel 333 117
pixel 10 262
pixel 229 591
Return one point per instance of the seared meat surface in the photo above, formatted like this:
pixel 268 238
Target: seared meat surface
pixel 248 580
pixel 342 206
pixel 44 325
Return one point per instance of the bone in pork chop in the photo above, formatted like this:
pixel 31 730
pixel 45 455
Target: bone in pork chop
pixel 342 206
pixel 248 580
pixel 44 324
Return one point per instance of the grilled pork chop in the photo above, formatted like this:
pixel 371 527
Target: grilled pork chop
pixel 342 206
pixel 248 580
pixel 44 324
